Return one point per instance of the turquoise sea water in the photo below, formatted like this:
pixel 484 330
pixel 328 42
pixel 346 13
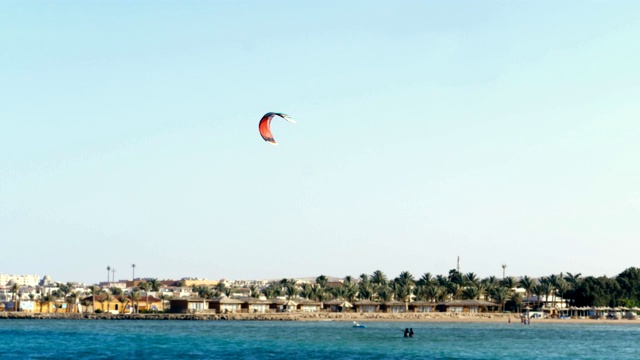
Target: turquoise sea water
pixel 128 339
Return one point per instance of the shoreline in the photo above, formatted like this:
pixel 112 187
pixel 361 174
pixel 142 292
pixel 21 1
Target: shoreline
pixel 310 317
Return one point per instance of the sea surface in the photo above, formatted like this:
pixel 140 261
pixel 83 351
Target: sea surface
pixel 179 339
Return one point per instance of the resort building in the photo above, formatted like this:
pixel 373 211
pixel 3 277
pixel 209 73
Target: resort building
pixel 464 306
pixel 366 306
pixel 22 280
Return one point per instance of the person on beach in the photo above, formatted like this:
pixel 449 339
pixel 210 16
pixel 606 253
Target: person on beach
pixel 406 332
pixel 411 332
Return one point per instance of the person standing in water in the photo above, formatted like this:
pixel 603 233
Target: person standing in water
pixel 406 332
pixel 411 332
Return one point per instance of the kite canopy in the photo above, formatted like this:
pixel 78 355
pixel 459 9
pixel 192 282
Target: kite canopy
pixel 265 126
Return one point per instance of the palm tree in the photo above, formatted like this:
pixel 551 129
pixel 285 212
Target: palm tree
pixel 48 299
pixel 455 277
pixel 432 292
pixel 419 293
pixel 102 296
pixel 471 279
pixel 155 284
pixel 517 300
pixel 348 280
pixel 306 291
pixel 319 293
pixel 55 295
pixel 562 288
pixel 379 278
pixel 401 292
pixel 115 291
pixel 547 284
pixel 41 301
pixel 574 282
pixel 86 304
pixel 426 279
pixel 500 296
pixel 455 290
pixel 254 291
pixel 272 290
pixel 364 278
pixel 384 293
pixel 163 299
pixel 135 298
pixel 71 300
pixel 527 284
pixel 124 300
pixel 94 291
pixel 15 290
pixel 108 298
pixel 554 281
pixel 322 280
pixel 509 282
pixel 406 282
pixel 230 291
pixel 291 290
pixel 490 284
pixel 538 290
pixel 470 293
pixel 221 287
pixel 145 286
pixel 350 289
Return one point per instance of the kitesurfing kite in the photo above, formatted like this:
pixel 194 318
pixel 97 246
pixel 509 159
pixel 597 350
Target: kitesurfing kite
pixel 265 126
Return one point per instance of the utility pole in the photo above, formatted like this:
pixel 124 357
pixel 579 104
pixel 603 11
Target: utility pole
pixel 458 264
pixel 108 271
pixel 113 274
pixel 133 272
pixel 504 269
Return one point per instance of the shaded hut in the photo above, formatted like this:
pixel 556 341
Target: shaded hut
pixel 421 306
pixel 465 306
pixel 225 305
pixel 366 306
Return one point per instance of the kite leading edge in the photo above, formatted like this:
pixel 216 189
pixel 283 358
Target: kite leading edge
pixel 265 126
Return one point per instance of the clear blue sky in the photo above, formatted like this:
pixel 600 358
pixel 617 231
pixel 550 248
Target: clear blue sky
pixel 497 131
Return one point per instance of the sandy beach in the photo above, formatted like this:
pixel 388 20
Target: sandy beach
pixel 322 316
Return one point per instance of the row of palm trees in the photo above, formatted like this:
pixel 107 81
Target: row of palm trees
pixel 405 287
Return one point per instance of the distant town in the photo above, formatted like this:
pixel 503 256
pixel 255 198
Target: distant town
pixel 553 296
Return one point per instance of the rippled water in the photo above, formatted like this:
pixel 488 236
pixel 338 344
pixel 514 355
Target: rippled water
pixel 127 339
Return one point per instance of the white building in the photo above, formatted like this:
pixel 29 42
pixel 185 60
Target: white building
pixel 22 280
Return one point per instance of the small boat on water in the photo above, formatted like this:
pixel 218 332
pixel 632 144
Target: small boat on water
pixel 358 325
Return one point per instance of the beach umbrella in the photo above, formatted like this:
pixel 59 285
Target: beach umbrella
pixel 346 304
pixel 290 305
